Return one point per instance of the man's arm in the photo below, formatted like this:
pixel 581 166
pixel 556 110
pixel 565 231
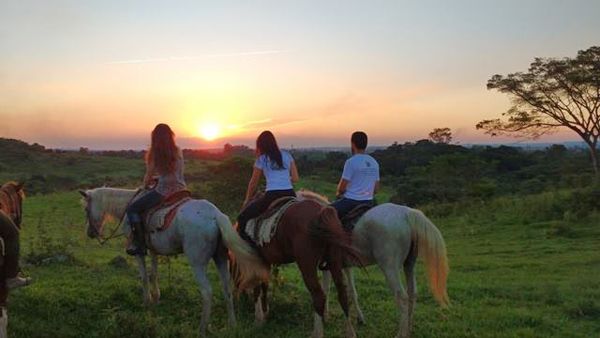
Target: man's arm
pixel 341 188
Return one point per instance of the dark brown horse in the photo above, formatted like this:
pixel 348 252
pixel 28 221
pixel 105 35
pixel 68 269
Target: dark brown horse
pixel 11 212
pixel 312 236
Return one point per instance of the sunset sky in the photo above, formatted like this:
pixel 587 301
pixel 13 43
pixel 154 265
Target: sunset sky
pixel 101 74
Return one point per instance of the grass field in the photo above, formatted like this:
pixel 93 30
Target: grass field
pixel 509 277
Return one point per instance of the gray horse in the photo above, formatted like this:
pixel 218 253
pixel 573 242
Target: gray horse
pixel 196 231
pixel 391 236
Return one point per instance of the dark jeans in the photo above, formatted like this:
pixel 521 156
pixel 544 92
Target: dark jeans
pixel 10 234
pixel 135 209
pixel 345 205
pixel 258 206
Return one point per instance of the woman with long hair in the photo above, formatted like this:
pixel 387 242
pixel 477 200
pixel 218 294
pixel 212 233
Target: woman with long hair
pixel 164 159
pixel 280 172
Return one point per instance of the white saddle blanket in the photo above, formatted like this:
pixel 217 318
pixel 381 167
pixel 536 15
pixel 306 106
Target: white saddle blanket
pixel 266 227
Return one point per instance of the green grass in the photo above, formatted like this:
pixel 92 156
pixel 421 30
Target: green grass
pixel 508 279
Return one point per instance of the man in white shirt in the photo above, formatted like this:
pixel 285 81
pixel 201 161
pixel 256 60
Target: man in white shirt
pixel 360 179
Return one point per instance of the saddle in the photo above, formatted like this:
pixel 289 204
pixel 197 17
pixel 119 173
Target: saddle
pixel 349 221
pixel 160 217
pixel 262 228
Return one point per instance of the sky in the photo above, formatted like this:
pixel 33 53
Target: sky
pixel 102 74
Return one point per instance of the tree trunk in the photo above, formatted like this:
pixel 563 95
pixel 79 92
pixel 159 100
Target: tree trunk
pixel 594 155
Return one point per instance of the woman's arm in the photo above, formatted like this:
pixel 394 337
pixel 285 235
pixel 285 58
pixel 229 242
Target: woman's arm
pixel 149 176
pixel 256 173
pixel 294 172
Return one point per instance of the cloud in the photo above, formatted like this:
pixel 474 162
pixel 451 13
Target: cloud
pixel 192 58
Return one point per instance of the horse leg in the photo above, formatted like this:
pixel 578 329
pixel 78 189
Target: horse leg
pixel 338 279
pixel 354 294
pixel 141 259
pixel 259 313
pixel 154 288
pixel 221 262
pixel 311 280
pixel 206 291
pixel 199 252
pixel 392 277
pixel 3 322
pixel 326 282
pixel 265 304
pixel 411 284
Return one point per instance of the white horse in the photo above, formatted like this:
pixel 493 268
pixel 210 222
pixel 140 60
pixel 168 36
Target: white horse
pixel 391 236
pixel 198 230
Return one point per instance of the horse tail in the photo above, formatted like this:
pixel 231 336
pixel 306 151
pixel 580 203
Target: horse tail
pixel 328 228
pixel 251 269
pixel 431 243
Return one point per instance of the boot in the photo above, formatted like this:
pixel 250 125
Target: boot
pixel 17 282
pixel 137 246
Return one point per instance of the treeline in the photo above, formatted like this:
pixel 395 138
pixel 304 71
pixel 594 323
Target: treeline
pixel 425 172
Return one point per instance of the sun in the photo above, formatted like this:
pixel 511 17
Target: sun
pixel 209 131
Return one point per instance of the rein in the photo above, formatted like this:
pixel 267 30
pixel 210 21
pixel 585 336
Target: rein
pixel 113 233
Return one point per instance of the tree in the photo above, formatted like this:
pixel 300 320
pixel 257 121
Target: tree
pixel 441 135
pixel 553 93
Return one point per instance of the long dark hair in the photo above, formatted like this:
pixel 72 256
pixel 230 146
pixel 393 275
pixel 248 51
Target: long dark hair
pixel 267 145
pixel 163 152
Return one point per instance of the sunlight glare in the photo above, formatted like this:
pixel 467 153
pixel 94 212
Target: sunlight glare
pixel 209 131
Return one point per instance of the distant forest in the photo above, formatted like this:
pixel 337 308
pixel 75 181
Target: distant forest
pixel 419 173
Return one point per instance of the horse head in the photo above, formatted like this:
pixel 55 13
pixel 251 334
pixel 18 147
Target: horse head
pixel 93 214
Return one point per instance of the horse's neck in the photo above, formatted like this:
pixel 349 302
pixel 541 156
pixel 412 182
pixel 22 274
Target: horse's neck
pixel 115 201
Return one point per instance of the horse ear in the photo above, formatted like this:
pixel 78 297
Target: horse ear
pixel 19 186
pixel 83 193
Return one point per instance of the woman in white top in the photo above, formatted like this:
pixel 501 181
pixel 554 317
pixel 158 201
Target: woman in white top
pixel 280 172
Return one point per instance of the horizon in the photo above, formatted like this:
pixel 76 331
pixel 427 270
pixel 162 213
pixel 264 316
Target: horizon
pixel 190 146
pixel 102 74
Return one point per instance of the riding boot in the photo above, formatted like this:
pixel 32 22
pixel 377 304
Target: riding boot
pixel 137 246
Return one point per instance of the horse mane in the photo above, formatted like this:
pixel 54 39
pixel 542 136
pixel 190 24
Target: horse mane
pixel 112 201
pixel 13 185
pixel 305 194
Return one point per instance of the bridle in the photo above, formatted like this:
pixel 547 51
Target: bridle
pixel 113 233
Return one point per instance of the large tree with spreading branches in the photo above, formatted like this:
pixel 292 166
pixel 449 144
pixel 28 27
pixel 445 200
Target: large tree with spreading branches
pixel 553 93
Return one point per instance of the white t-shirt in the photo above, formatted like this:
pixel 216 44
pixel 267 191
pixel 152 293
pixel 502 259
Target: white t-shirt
pixel 362 172
pixel 277 178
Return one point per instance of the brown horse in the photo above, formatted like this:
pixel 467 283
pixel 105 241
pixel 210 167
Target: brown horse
pixel 11 200
pixel 312 236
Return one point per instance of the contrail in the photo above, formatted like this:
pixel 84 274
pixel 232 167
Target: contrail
pixel 191 58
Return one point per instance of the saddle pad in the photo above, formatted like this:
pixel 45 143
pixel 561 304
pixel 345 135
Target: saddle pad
pixel 160 219
pixel 349 221
pixel 262 229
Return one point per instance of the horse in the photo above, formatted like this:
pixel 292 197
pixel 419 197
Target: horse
pixel 312 236
pixel 199 230
pixel 391 236
pixel 11 215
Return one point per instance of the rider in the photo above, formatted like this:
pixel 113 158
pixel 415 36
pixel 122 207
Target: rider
pixel 165 159
pixel 360 179
pixel 10 221
pixel 279 170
